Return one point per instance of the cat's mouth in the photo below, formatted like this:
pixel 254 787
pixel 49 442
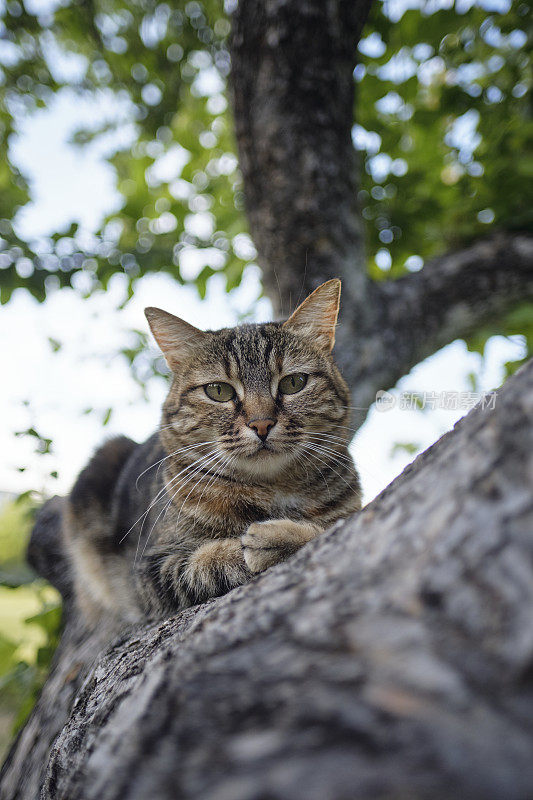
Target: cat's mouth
pixel 265 461
pixel 262 449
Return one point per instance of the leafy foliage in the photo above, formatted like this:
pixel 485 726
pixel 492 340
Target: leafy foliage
pixel 29 623
pixel 178 178
pixel 441 122
pixel 442 101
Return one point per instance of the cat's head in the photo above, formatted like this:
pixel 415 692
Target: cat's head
pixel 257 397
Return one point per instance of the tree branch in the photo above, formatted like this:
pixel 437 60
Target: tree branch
pixel 451 298
pixel 459 293
pixel 391 657
pixel 293 98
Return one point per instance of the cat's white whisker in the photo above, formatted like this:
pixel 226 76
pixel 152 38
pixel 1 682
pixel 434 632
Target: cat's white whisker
pixel 299 458
pixel 329 435
pixel 218 471
pixel 204 465
pixel 312 452
pixel 365 457
pixel 191 491
pixel 338 457
pixel 205 462
pixel 160 492
pixel 309 460
pixel 170 455
pixel 213 441
pixel 336 445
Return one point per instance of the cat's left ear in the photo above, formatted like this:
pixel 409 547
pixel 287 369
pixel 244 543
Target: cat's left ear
pixel 316 317
pixel 177 339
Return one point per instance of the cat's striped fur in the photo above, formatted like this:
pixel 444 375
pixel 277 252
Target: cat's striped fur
pixel 226 488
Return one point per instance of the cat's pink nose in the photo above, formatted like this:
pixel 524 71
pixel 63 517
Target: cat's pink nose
pixel 262 427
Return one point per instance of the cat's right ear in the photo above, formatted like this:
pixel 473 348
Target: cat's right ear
pixel 176 338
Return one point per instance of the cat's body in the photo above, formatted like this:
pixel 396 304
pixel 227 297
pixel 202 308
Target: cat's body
pixel 250 463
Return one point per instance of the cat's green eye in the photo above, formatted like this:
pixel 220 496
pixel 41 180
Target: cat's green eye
pixel 222 392
pixel 291 384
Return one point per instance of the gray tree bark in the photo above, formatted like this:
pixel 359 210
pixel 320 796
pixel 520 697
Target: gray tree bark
pixel 293 99
pixel 392 657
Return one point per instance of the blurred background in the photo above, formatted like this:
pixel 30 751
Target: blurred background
pixel 120 188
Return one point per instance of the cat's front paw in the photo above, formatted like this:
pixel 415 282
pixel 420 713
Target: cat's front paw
pixel 267 543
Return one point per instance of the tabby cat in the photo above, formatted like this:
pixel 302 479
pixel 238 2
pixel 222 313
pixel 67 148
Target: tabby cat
pixel 250 462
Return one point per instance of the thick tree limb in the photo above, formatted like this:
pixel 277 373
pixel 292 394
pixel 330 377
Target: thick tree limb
pixel 451 298
pixel 392 657
pixel 293 87
pixel 293 97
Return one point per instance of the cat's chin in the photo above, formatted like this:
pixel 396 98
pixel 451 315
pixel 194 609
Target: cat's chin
pixel 263 463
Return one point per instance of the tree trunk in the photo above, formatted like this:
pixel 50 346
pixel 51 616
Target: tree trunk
pixel 392 657
pixel 293 100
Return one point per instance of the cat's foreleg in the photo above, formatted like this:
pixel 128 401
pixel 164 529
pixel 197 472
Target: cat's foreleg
pixel 216 567
pixel 187 576
pixel 267 543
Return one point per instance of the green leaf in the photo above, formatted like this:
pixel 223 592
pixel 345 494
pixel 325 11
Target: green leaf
pixel 405 447
pixel 7 652
pixel 54 344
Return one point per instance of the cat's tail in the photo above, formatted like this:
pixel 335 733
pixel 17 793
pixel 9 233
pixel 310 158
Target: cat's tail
pixel 99 567
pixel 46 550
